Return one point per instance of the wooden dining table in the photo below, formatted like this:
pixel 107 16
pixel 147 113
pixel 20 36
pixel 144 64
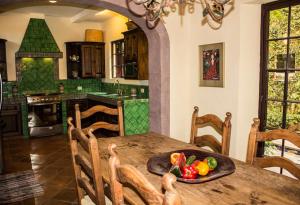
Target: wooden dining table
pixel 247 185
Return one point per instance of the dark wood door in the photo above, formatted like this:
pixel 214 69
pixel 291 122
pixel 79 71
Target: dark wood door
pixel 3 67
pixel 74 61
pixel 142 56
pixel 11 116
pixel 87 61
pixel 98 62
pixel 136 54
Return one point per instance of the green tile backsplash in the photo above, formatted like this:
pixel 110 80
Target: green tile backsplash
pixel 37 74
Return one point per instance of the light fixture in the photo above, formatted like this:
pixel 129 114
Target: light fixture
pixel 52 1
pixel 156 9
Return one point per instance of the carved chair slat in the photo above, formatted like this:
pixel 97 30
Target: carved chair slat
pixel 256 136
pixel 127 174
pixel 223 128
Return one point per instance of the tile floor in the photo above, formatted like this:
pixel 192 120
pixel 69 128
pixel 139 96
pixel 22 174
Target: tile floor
pixel 50 158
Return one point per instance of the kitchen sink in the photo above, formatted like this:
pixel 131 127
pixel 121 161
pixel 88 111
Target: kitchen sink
pixel 109 95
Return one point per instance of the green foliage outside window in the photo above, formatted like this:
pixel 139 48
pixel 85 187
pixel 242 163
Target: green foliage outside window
pixel 278 28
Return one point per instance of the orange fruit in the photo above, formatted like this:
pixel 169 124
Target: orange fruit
pixel 202 168
pixel 173 157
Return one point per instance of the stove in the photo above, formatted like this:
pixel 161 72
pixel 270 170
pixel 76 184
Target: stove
pixel 44 114
pixel 39 98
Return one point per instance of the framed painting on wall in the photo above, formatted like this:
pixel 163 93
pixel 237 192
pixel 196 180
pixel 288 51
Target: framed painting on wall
pixel 211 65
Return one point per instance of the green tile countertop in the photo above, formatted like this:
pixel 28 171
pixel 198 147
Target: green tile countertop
pixel 71 96
pixel 111 99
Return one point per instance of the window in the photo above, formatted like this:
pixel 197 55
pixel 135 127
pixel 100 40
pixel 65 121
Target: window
pixel 117 54
pixel 280 73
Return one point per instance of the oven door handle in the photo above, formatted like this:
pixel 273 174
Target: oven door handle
pixel 39 104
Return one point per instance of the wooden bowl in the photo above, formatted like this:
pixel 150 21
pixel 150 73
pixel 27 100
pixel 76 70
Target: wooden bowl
pixel 160 164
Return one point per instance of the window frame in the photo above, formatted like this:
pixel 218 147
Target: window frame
pixel 263 91
pixel 115 54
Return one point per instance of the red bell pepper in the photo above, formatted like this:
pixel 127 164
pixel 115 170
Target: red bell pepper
pixel 189 172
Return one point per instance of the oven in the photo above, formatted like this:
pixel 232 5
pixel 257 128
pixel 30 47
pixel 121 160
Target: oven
pixel 44 115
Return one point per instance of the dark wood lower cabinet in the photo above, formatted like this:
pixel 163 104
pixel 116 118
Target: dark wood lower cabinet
pixel 103 117
pixel 85 104
pixel 11 117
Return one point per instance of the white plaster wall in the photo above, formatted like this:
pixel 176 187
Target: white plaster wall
pixel 13 27
pixel 248 77
pixel 240 33
pixel 180 79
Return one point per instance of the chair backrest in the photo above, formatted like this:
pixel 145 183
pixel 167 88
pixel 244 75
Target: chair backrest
pixel 256 136
pixel 101 124
pixel 222 128
pixel 127 174
pixel 86 163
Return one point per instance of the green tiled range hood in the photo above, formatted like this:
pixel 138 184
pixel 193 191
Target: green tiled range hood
pixel 38 41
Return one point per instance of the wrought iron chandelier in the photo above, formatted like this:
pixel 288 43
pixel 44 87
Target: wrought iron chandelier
pixel 156 9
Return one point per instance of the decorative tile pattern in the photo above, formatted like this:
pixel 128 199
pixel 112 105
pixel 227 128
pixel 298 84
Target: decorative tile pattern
pixel 37 75
pixel 136 116
pixel 24 111
pixel 38 38
pixel 7 88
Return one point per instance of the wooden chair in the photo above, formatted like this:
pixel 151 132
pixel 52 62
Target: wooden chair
pixel 86 163
pixel 101 124
pixel 223 128
pixel 255 136
pixel 127 174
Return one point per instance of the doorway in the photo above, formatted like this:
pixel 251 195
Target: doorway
pixel 159 55
pixel 280 74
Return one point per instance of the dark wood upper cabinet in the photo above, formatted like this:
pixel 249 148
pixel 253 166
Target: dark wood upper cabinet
pixel 135 54
pixel 85 59
pixel 3 66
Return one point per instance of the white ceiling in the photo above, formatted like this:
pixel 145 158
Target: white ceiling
pixel 75 13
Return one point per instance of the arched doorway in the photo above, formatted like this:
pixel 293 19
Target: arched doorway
pixel 159 56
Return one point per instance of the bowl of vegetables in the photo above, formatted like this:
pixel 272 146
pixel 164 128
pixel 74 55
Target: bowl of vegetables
pixel 191 166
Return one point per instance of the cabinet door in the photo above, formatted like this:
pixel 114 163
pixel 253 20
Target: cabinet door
pixel 98 61
pixel 12 119
pixel 74 61
pixel 127 48
pixel 142 56
pixel 83 105
pixel 131 47
pixel 87 61
pixel 3 67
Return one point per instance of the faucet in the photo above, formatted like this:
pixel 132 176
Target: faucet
pixel 119 91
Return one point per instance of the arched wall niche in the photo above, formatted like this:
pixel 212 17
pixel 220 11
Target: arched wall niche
pixel 159 55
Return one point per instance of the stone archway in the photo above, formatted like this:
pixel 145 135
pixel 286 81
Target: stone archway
pixel 159 56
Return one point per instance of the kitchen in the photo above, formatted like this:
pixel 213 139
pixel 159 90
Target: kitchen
pixel 46 70
pixel 173 87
